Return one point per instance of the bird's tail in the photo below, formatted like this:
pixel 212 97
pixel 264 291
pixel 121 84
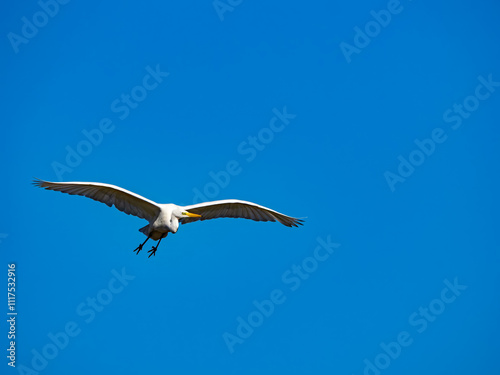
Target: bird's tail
pixel 145 230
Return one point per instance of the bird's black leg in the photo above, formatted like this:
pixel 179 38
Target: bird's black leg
pixel 139 248
pixel 154 248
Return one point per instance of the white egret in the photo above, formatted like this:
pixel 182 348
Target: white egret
pixel 165 218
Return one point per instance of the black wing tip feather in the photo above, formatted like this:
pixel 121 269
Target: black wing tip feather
pixel 37 182
pixel 292 223
pixel 297 222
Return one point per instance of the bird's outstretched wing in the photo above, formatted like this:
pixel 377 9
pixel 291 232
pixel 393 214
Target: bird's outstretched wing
pixel 124 200
pixel 238 209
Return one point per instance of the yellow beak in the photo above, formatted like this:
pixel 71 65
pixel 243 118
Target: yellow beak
pixel 190 214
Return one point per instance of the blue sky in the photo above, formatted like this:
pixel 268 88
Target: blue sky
pixel 375 120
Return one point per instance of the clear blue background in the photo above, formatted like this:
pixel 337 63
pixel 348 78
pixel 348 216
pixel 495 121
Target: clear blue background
pixel 352 122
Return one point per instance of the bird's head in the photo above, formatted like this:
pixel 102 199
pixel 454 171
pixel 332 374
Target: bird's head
pixel 188 214
pixel 177 214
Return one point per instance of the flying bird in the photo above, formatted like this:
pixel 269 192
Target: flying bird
pixel 165 218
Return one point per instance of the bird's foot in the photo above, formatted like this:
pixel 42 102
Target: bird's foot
pixel 153 251
pixel 139 248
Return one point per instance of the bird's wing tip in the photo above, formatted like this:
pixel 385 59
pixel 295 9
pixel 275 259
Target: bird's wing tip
pixel 295 223
pixel 37 182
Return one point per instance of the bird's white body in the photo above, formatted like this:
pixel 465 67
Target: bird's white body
pixel 165 218
pixel 165 222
